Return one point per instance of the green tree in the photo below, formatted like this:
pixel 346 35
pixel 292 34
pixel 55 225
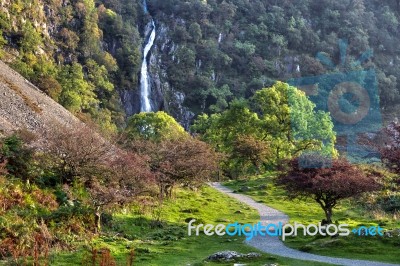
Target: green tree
pixel 291 123
pixel 98 76
pixel 195 32
pixel 77 93
pixel 31 39
pixel 224 131
pixel 282 120
pixel 154 126
pixel 17 156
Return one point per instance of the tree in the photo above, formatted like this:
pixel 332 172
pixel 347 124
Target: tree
pixel 50 86
pixel 125 176
pixel 291 123
pixel 280 117
pixel 327 184
pixel 31 39
pixel 186 162
pixel 195 32
pixel 15 157
pixel 175 157
pixel 154 126
pixel 76 153
pixel 111 176
pixel 223 131
pixel 77 93
pixel 250 151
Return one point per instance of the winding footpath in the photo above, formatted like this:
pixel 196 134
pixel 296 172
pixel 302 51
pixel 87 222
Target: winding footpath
pixel 273 245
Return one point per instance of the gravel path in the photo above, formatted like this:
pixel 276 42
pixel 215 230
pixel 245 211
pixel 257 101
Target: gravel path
pixel 273 245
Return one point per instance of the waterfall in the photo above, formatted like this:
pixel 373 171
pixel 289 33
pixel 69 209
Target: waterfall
pixel 145 87
pixel 220 38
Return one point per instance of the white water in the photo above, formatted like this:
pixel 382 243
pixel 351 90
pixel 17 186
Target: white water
pixel 145 87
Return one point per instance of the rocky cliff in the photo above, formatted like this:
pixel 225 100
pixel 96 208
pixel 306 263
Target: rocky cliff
pixel 165 96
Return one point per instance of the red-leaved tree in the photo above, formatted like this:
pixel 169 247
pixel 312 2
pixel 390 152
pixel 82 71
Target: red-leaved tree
pixel 327 185
pixel 390 148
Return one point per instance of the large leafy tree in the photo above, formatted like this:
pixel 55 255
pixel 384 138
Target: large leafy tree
pixel 292 124
pixel 154 127
pixel 281 118
pixel 224 128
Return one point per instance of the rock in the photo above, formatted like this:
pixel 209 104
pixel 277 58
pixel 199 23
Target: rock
pixel 232 255
pixel 244 189
pixel 252 255
pixel 392 233
pixel 224 256
pixel 262 187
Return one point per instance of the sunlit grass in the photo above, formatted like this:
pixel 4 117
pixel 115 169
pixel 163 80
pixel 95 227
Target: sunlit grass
pixel 307 212
pixel 169 244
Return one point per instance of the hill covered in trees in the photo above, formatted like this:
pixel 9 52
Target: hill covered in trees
pixel 87 54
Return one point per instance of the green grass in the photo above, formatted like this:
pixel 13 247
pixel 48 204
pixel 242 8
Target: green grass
pixel 307 212
pixel 169 244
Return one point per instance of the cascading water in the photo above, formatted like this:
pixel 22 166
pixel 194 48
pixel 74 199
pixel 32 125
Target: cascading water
pixel 145 87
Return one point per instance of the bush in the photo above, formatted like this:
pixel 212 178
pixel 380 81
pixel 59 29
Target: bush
pixel 390 203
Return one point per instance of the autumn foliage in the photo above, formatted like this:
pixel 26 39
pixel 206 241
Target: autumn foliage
pixel 186 162
pixel 335 180
pixel 390 150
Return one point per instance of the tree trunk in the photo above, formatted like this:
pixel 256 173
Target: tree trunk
pixel 327 207
pixel 328 214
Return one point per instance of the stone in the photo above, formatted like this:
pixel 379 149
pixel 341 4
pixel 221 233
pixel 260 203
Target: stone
pixel 244 189
pixel 392 233
pixel 262 187
pixel 252 255
pixel 224 256
pixel 231 256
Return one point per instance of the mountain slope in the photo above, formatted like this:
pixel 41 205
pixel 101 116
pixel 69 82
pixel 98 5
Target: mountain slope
pixel 24 106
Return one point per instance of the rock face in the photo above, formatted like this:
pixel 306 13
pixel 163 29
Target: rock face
pixel 164 96
pixel 23 106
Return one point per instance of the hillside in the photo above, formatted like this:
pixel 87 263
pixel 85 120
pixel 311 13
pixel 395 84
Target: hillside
pixel 24 106
pixel 88 55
